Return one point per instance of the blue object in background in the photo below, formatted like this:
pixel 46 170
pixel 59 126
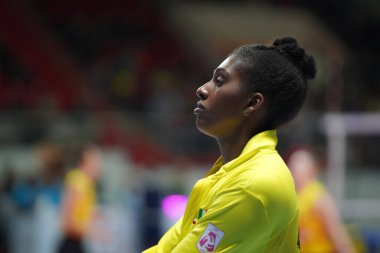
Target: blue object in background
pixel 24 195
pixel 372 240
pixel 51 193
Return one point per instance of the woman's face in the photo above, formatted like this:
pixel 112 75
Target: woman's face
pixel 222 101
pixel 92 162
pixel 303 167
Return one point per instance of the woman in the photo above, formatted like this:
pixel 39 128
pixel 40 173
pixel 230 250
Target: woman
pixel 247 201
pixel 321 228
pixel 79 199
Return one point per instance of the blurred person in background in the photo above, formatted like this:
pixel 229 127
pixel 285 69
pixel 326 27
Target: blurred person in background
pixel 247 202
pixel 23 193
pixel 51 161
pixel 79 198
pixel 321 228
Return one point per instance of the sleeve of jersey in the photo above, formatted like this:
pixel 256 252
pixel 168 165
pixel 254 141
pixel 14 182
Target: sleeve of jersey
pixel 168 241
pixel 74 181
pixel 236 222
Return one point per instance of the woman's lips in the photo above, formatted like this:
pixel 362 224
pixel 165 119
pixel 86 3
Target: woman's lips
pixel 199 109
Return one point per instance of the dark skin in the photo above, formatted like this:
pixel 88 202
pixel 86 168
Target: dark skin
pixel 227 112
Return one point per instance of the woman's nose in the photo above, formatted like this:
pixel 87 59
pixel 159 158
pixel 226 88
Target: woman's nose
pixel 202 93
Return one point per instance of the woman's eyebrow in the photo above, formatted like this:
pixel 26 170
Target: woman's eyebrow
pixel 218 70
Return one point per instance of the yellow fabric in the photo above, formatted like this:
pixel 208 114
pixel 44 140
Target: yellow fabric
pixel 252 199
pixel 85 193
pixel 314 238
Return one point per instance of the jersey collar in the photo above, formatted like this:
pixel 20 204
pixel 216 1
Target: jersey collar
pixel 263 140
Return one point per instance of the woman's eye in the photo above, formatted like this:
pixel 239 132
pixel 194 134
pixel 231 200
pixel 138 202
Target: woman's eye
pixel 219 81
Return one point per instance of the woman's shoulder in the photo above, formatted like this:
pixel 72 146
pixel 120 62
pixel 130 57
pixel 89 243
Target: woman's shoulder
pixel 268 176
pixel 266 166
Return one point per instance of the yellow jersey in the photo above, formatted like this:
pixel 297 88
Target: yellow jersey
pixel 246 205
pixel 83 208
pixel 314 238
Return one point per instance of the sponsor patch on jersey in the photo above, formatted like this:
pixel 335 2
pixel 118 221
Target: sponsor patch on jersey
pixel 210 239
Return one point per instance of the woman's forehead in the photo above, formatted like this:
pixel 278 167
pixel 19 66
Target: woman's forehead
pixel 228 62
pixel 229 67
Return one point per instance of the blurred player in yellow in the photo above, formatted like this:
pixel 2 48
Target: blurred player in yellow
pixel 321 229
pixel 79 199
pixel 247 202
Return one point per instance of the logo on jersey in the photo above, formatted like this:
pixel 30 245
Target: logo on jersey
pixel 200 214
pixel 210 239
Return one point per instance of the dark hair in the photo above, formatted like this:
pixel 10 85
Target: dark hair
pixel 280 72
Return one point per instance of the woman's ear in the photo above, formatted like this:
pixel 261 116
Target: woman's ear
pixel 255 102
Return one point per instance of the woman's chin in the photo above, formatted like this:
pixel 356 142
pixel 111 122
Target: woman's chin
pixel 201 125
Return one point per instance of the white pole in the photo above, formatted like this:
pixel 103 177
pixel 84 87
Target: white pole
pixel 336 148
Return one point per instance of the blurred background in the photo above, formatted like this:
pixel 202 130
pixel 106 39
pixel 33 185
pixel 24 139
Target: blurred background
pixel 123 74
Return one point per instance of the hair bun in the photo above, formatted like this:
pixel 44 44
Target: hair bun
pixel 297 55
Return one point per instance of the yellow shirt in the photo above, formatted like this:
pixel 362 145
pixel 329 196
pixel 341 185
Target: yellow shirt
pixel 314 238
pixel 246 205
pixel 82 209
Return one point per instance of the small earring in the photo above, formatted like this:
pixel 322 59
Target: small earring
pixel 247 113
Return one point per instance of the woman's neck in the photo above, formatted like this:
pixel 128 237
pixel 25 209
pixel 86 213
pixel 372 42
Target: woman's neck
pixel 231 146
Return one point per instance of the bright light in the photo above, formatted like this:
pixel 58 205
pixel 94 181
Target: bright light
pixel 173 206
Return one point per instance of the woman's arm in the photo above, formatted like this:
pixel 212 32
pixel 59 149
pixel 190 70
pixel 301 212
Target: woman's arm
pixel 168 241
pixel 234 216
pixel 70 201
pixel 332 222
